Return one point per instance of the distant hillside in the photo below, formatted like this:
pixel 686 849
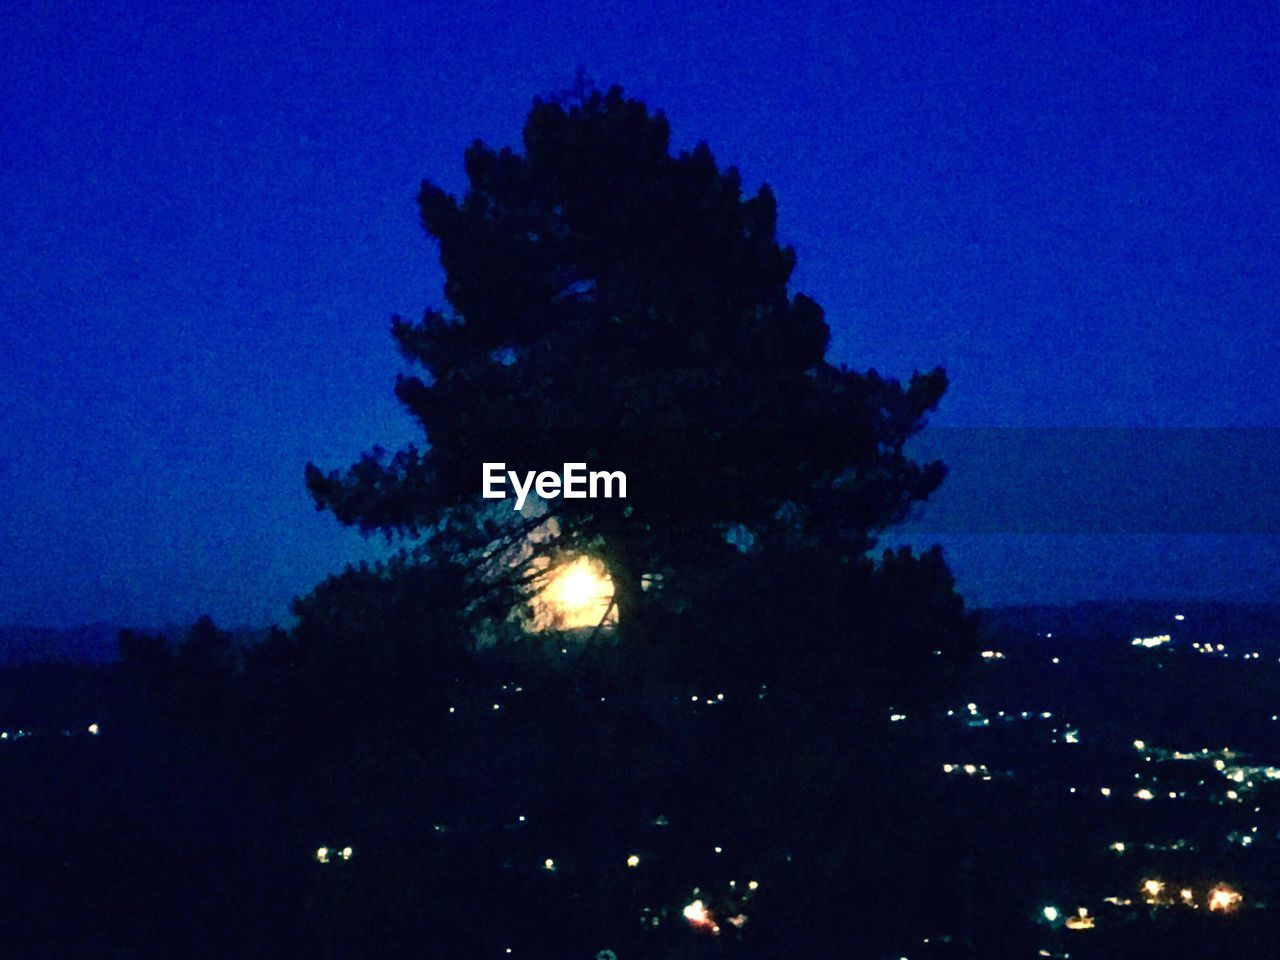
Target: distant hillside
pixel 1236 624
pixel 1256 625
pixel 90 643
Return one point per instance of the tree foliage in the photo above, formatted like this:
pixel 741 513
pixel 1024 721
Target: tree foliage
pixel 614 303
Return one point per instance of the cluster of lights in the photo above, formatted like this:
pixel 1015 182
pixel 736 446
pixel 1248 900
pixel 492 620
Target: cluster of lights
pixel 1223 899
pixel 1243 839
pixel 701 918
pixel 1146 794
pixel 1243 778
pixel 1246 777
pixel 1150 642
pixel 974 717
pixel 93 729
pixel 1208 648
pixel 1160 753
pixel 327 855
pixel 1217 649
pixel 972 769
pixel 1219 899
pixel 708 701
pixel 1119 846
pixel 1080 920
pixel 1169 846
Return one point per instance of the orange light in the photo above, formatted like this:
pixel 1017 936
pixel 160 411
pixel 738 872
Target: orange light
pixel 1223 899
pixel 1081 921
pixel 699 917
pixel 575 595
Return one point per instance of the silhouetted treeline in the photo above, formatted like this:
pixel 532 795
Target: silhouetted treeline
pixel 749 720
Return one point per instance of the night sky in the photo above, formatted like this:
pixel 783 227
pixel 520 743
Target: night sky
pixel 209 217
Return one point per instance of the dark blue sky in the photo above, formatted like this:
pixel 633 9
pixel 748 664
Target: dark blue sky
pixel 209 217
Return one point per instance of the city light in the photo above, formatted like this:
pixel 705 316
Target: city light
pixel 1222 899
pixel 699 917
pixel 1081 921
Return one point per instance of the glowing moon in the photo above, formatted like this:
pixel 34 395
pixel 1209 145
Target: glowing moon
pixel 576 595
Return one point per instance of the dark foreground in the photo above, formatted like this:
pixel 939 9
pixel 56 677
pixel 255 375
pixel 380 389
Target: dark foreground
pixel 561 813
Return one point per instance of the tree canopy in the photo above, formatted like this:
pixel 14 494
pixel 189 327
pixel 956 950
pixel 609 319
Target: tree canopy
pixel 611 302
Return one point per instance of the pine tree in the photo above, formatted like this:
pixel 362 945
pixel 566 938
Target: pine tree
pixel 612 303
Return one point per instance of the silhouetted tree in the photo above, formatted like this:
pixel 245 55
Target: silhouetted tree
pixel 614 304
pixel 205 649
pixel 376 647
pixel 892 629
pixel 147 659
